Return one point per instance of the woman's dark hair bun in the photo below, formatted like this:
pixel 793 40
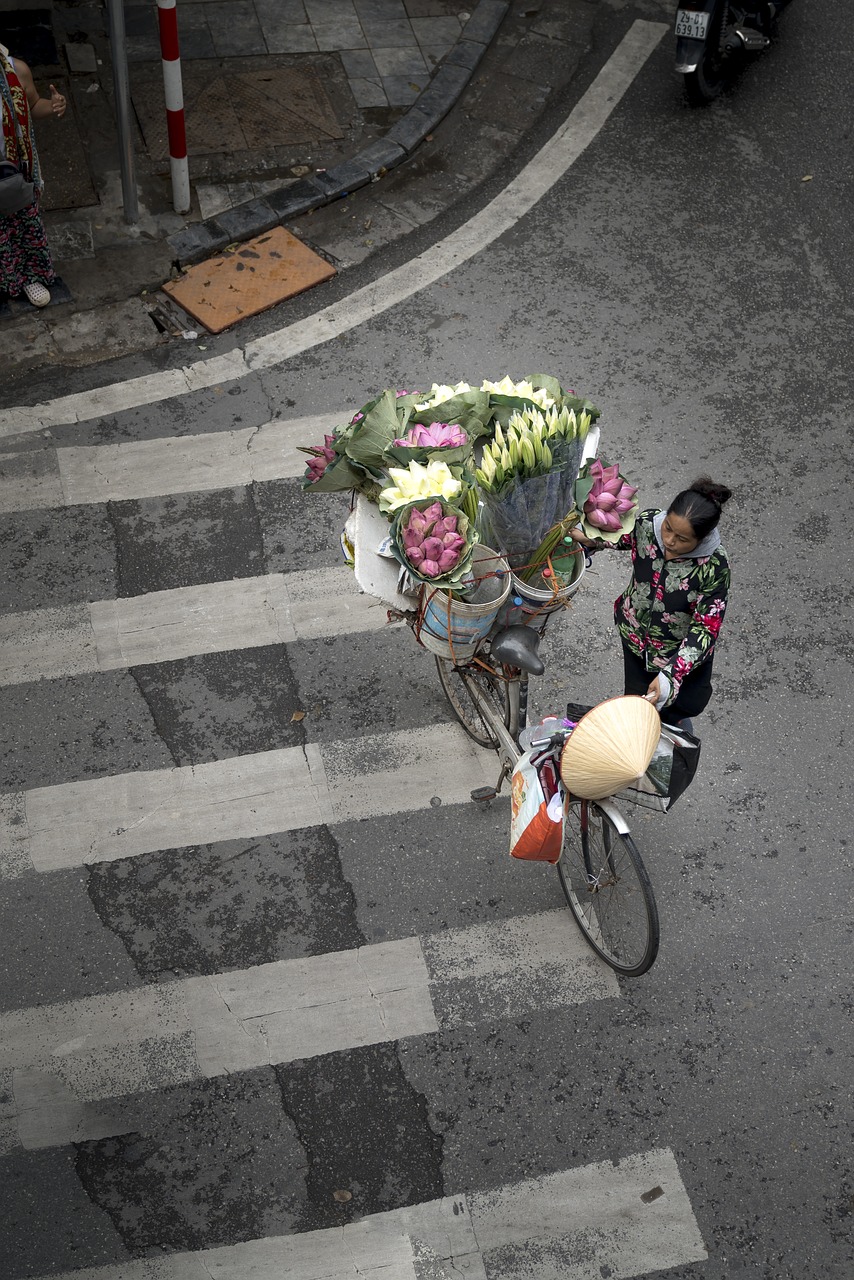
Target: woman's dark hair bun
pixel 701 504
pixel 716 493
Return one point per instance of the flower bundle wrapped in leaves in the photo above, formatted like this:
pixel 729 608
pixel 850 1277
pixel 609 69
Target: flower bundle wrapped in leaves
pixel 434 542
pixel 423 442
pixel 606 500
pixel 500 460
pixel 538 391
pixel 329 470
pixel 435 480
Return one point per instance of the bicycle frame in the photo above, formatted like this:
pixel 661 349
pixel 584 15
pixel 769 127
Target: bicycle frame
pixel 600 869
pixel 509 751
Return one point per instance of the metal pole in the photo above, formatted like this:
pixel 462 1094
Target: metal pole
pixel 173 90
pixel 121 84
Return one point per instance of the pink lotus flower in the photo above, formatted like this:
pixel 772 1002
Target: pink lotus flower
pixel 430 542
pixel 439 435
pixel 433 548
pixel 323 454
pixel 610 499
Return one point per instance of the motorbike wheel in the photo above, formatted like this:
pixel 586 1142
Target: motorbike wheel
pixel 710 77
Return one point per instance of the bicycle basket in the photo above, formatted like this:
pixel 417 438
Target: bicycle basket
pixel 670 772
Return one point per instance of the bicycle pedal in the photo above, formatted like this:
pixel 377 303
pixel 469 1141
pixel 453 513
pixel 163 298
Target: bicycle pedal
pixel 484 794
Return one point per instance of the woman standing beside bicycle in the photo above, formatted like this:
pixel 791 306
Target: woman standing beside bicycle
pixel 670 614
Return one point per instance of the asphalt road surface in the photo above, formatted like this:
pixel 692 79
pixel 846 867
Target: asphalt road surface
pixel 276 1002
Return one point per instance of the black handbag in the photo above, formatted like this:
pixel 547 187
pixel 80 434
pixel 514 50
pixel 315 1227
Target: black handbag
pixel 15 192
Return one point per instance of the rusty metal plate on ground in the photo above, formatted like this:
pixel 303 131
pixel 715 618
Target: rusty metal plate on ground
pixel 228 110
pixel 252 278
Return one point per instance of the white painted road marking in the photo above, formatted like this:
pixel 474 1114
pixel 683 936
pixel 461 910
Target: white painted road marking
pixel 212 617
pixel 587 117
pixel 123 815
pixel 68 1061
pixel 579 1224
pixel 166 465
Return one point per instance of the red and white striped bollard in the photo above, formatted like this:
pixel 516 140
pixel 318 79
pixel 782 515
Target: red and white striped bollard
pixel 167 16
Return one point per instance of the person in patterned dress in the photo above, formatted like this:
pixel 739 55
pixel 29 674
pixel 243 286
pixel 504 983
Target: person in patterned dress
pixel 25 263
pixel 670 614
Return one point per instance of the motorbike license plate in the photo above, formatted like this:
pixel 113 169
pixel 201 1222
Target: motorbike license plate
pixel 692 23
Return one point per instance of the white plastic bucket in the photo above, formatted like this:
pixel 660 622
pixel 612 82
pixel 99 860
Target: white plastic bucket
pixel 529 601
pixel 454 628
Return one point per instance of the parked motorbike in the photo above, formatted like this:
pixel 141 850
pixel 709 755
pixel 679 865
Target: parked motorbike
pixel 713 38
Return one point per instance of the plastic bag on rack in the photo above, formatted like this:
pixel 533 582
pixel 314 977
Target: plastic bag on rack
pixel 536 809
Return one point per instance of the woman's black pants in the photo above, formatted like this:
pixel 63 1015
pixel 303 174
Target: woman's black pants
pixel 693 696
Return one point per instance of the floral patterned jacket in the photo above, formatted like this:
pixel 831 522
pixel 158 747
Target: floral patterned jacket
pixel 671 611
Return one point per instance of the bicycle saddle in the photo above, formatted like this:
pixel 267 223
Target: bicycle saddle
pixel 517 646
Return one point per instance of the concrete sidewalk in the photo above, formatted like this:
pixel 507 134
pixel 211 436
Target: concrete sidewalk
pixel 350 122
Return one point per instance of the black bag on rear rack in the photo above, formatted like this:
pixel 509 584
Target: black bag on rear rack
pixel 671 770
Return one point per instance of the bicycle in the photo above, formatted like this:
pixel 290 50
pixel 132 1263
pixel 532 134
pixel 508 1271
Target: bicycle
pixel 601 872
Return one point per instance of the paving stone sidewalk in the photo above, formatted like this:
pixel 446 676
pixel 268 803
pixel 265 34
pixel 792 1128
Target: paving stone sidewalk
pixel 351 122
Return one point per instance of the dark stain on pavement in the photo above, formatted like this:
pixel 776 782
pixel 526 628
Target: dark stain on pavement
pixel 290 517
pixel 53 557
pixel 229 905
pixel 216 1163
pixel 186 539
pixel 217 705
pixel 366 1132
pixel 84 726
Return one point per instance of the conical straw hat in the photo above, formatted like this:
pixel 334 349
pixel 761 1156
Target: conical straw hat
pixel 610 747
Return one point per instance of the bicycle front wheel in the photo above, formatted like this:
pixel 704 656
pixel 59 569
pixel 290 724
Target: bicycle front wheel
pixel 455 680
pixel 608 890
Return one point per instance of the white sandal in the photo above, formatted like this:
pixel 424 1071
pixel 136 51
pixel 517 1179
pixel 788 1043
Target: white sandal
pixel 36 293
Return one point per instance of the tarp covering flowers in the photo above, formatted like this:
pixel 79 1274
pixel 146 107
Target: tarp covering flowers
pixel 497 464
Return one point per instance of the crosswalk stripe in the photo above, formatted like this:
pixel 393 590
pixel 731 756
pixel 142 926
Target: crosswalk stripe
pixel 161 626
pixel 68 1058
pixel 577 1224
pixel 123 815
pixel 150 388
pixel 166 465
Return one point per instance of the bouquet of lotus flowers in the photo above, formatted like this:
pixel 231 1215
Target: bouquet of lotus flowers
pixel 432 441
pixel 397 427
pixel 537 391
pixel 527 474
pixel 330 470
pixel 495 464
pixel 434 542
pixel 606 500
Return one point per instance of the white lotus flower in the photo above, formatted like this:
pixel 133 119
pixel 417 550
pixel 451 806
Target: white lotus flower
pixel 435 480
pixel 507 387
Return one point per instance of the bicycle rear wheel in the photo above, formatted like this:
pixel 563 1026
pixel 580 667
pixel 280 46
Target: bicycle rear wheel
pixel 454 681
pixel 608 890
